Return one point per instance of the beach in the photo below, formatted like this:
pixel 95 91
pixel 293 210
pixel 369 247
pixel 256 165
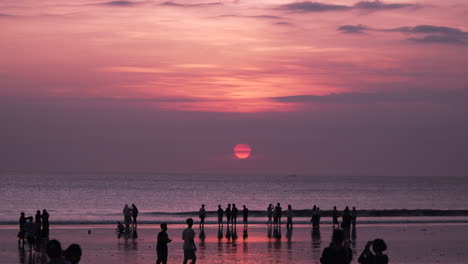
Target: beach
pixel 407 244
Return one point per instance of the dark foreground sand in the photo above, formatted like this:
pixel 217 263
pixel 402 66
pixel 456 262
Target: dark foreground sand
pixel 408 243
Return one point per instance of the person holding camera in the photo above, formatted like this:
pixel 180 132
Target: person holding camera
pixel 377 257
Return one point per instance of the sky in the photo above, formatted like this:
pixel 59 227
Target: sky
pixel 317 88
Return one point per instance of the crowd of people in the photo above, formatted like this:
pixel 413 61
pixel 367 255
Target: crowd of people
pixel 337 252
pixel 33 231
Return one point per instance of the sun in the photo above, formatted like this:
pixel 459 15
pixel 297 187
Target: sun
pixel 242 151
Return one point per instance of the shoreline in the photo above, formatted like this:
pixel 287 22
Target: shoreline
pixel 408 243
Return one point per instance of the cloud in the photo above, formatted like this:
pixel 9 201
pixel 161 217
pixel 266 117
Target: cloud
pixel 170 3
pixel 408 96
pixel 313 7
pixel 350 29
pixel 120 3
pixel 419 34
pixel 254 17
pixel 379 5
pixel 363 5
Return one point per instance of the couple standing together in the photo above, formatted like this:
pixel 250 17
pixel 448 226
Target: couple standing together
pixel 188 236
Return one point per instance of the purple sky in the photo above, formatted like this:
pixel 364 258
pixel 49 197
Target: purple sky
pixel 332 87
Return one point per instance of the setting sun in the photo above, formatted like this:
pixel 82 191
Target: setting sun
pixel 242 151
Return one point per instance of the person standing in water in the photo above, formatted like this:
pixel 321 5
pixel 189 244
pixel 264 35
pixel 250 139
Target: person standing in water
pixel 202 215
pixel 270 214
pixel 220 215
pixel 235 212
pixel 161 246
pixel 335 217
pixel 134 214
pixel 289 215
pixel 127 217
pixel 228 214
pixel 245 215
pixel 188 236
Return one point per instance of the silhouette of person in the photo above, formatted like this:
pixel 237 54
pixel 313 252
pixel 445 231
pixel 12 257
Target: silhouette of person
pixel 336 253
pixel 278 212
pixel 353 216
pixel 314 217
pixel 378 257
pixel 220 215
pixel 228 214
pixel 54 252
pixel 38 223
pixel 73 254
pixel 120 229
pixel 188 236
pixel 202 215
pixel 134 212
pixel 22 229
pixel 270 213
pixel 127 217
pixel 30 228
pixel 235 211
pixel 289 215
pixel 318 217
pixel 45 223
pixel 161 246
pixel 245 215
pixel 335 217
pixel 346 219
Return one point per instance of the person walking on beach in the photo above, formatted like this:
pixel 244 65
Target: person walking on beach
pixel 228 214
pixel 73 254
pixel 45 223
pixel 289 215
pixel 314 217
pixel 378 257
pixel 335 217
pixel 270 213
pixel 235 212
pixel 353 216
pixel 188 236
pixel 336 253
pixel 127 217
pixel 245 215
pixel 220 215
pixel 22 229
pixel 161 246
pixel 202 215
pixel 134 214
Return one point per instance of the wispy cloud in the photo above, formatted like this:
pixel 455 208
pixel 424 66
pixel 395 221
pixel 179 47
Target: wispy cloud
pixel 174 4
pixel 407 96
pixel 351 29
pixel 253 17
pixel 420 34
pixel 121 3
pixel 363 5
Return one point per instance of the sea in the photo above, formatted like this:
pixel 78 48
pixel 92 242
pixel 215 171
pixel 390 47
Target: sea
pixel 99 198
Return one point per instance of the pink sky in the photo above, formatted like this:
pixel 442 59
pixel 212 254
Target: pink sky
pixel 332 87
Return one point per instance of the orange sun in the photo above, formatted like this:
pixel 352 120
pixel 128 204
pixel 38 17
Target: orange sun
pixel 242 151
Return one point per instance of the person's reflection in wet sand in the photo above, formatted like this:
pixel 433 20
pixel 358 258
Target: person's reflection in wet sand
pixel 234 234
pixel 277 236
pixel 289 235
pixel 228 233
pixel 22 255
pixel 316 239
pixel 245 233
pixel 220 233
pixel 353 237
pixel 202 238
pixel 269 232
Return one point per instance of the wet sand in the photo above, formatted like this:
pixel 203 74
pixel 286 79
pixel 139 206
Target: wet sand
pixel 407 243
